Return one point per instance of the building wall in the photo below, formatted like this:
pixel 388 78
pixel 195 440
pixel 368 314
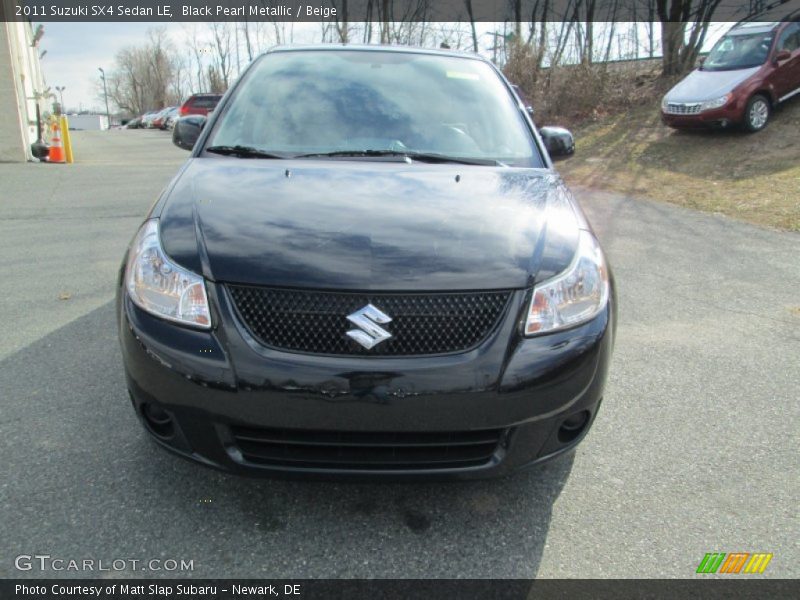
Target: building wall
pixel 21 83
pixel 90 122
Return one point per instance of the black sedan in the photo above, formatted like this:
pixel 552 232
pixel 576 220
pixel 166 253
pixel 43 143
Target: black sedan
pixel 367 267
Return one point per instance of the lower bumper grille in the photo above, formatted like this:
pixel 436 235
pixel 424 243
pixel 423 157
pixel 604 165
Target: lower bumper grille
pixel 303 449
pixel 678 108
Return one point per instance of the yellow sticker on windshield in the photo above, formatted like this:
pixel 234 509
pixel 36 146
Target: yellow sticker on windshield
pixel 462 75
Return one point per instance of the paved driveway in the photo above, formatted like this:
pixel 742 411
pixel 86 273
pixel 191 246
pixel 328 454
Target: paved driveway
pixel 694 450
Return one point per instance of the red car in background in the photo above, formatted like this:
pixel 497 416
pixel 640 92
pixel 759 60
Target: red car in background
pixel 158 122
pixel 199 104
pixel 751 69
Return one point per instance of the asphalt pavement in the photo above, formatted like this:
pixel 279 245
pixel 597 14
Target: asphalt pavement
pixel 693 451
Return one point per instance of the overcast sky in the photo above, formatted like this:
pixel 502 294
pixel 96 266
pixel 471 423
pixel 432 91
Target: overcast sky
pixel 76 50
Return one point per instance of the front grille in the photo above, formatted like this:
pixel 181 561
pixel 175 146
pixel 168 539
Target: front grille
pixel 316 322
pixel 678 108
pixel 305 449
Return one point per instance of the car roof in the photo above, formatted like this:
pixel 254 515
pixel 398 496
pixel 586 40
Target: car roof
pixel 375 48
pixel 753 27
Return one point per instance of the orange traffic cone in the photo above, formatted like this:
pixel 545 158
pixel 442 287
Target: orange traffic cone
pixel 56 154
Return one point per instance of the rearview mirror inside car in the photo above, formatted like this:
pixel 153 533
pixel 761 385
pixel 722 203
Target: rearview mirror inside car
pixel 559 142
pixel 187 130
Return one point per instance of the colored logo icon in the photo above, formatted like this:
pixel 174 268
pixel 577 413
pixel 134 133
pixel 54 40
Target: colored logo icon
pixel 734 562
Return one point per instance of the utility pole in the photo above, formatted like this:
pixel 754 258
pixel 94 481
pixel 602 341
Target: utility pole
pixel 105 94
pixel 60 90
pixel 236 37
pixel 496 47
pixel 496 43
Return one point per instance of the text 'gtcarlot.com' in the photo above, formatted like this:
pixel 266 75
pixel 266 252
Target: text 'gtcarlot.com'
pixel 46 562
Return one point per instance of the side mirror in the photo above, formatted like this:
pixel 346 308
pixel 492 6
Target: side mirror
pixel 187 130
pixel 782 55
pixel 559 142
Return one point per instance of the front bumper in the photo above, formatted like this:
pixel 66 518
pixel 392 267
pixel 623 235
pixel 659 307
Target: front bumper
pixel 535 397
pixel 724 117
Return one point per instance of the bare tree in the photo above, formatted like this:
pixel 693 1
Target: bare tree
pixel 540 15
pixel 146 77
pixel 564 33
pixel 222 56
pixel 161 63
pixel 455 35
pixel 198 49
pixel 180 86
pixel 517 6
pixel 247 42
pixel 342 20
pixel 384 11
pixel 471 15
pixel 679 17
pixel 405 24
pixel 216 84
pixel 585 13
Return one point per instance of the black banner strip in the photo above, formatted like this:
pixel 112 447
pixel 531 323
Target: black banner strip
pixel 736 586
pixel 396 10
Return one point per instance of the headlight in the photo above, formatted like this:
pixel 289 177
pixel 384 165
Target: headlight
pixel 161 287
pixel 716 103
pixel 574 296
pixel 664 104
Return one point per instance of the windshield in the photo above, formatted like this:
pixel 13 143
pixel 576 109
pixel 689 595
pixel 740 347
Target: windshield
pixel 739 52
pixel 320 102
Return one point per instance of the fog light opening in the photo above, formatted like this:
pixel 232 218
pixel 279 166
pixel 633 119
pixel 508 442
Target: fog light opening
pixel 158 421
pixel 572 426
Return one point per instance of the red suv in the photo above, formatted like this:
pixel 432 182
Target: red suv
pixel 200 104
pixel 750 70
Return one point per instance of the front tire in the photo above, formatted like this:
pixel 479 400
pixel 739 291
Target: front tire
pixel 756 113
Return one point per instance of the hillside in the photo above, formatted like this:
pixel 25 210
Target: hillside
pixel 752 177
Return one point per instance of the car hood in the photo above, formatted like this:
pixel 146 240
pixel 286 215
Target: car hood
pixel 369 225
pixel 699 86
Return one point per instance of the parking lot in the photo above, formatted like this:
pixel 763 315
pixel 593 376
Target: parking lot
pixel 693 451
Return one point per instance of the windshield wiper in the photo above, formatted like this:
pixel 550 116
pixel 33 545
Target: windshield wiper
pixel 243 152
pixel 428 157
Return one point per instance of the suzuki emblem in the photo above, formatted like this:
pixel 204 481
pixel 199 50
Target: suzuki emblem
pixel 369 319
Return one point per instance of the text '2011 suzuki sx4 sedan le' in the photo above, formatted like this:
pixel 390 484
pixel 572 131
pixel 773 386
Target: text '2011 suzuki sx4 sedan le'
pixel 367 267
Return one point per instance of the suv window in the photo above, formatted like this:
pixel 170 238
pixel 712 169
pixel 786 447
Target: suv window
pixel 739 51
pixel 790 38
pixel 205 101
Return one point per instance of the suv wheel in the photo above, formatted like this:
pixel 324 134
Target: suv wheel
pixel 757 113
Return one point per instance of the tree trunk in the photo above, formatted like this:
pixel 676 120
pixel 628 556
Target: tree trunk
pixel 468 3
pixel 671 42
pixel 385 21
pixel 674 15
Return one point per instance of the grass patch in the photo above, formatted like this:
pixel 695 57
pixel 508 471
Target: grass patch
pixel 750 177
